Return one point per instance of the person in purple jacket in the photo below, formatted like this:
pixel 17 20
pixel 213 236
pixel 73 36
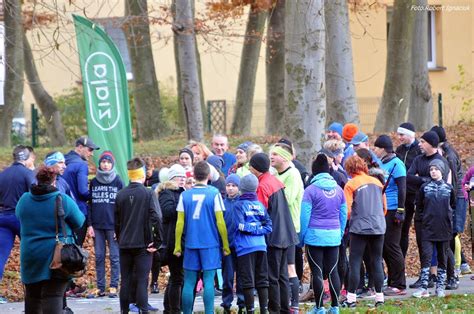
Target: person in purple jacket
pixel 323 220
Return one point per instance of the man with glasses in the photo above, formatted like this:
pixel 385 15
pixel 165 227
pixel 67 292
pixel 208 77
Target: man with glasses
pixel 76 176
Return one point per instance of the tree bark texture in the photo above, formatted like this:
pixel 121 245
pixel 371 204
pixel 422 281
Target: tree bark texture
pixel 181 108
pixel 275 68
pixel 420 111
pixel 241 124
pixel 14 65
pixel 184 28
pixel 341 93
pixel 150 119
pixel 305 91
pixel 46 103
pixel 397 87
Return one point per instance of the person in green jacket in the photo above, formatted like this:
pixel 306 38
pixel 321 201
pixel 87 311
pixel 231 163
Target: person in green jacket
pixel 36 212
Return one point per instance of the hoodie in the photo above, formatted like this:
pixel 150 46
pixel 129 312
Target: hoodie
pixel 323 212
pixel 76 176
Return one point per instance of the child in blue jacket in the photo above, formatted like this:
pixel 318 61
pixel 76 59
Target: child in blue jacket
pixel 229 262
pixel 253 223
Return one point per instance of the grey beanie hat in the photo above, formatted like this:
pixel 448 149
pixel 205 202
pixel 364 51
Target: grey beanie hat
pixel 438 163
pixel 248 183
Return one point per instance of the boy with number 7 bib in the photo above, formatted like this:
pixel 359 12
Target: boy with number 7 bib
pixel 201 220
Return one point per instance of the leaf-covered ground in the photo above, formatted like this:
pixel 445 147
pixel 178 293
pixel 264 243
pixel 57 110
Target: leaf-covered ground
pixel 165 152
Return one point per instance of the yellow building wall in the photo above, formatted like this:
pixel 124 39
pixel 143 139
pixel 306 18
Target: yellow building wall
pixel 59 69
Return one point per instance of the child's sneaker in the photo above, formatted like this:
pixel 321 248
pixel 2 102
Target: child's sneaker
pixel 465 269
pixel 113 292
pixel 3 300
pixel 334 310
pixel 316 310
pixel 421 293
pixel 367 293
pixel 348 304
pixel 440 293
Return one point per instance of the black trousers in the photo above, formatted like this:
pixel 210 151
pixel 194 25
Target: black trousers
pixel 442 248
pixel 172 298
pixel 323 264
pixel 155 267
pixel 299 263
pixel 278 296
pixel 343 263
pixel 45 297
pixel 409 212
pixel 392 253
pixel 135 264
pixel 357 247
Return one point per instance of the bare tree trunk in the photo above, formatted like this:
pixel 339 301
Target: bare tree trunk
pixel 150 120
pixel 420 111
pixel 305 94
pixel 46 103
pixel 14 65
pixel 201 85
pixel 184 27
pixel 182 109
pixel 340 87
pixel 248 71
pixel 275 68
pixel 397 88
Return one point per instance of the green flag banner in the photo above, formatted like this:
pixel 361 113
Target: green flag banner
pixel 105 92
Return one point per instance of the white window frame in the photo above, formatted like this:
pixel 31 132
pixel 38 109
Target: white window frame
pixel 432 47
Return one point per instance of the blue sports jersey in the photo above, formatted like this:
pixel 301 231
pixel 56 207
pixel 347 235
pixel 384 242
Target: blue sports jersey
pixel 199 206
pixel 392 190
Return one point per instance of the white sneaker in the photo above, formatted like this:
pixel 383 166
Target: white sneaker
pixel 440 293
pixel 465 269
pixel 421 293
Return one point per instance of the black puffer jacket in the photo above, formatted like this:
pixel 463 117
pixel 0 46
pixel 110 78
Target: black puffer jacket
pixel 408 153
pixel 168 196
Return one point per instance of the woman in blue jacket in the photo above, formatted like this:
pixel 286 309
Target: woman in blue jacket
pixel 323 220
pixel 36 212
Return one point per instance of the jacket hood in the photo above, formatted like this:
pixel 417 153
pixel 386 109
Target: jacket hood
pixel 324 181
pixel 43 192
pixel 72 156
pixel 375 171
pixel 167 185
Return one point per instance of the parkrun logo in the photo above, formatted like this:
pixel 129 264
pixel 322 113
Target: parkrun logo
pixel 102 90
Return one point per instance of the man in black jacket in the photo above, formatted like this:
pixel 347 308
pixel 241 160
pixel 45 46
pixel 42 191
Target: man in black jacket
pixel 138 232
pixel 406 152
pixel 419 173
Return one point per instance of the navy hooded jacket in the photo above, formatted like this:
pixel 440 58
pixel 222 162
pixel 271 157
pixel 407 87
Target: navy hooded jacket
pixel 14 181
pixel 76 176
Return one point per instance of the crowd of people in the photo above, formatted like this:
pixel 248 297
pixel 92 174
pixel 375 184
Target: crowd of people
pixel 241 225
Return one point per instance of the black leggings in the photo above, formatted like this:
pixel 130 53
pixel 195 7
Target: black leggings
pixel 172 298
pixel 357 247
pixel 45 296
pixel 323 264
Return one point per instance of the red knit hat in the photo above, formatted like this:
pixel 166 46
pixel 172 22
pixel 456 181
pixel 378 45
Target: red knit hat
pixel 107 155
pixel 349 131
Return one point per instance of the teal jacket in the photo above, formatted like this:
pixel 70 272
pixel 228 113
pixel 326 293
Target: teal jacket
pixel 35 211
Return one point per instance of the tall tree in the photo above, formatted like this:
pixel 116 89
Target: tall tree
pixel 275 68
pixel 305 92
pixel 150 120
pixel 183 27
pixel 420 111
pixel 341 93
pixel 248 70
pixel 14 65
pixel 397 88
pixel 46 103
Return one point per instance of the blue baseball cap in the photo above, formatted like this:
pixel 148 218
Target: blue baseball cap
pixel 359 138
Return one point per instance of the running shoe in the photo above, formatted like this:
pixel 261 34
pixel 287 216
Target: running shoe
pixel 421 293
pixel 465 269
pixel 392 291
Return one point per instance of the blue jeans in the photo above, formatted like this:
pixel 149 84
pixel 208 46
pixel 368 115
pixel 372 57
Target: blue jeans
pixel 229 267
pixel 9 228
pixel 101 236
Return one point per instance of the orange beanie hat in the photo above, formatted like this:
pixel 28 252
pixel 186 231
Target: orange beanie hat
pixel 349 131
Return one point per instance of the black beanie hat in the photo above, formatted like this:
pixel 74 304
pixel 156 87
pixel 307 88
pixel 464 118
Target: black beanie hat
pixel 260 162
pixel 384 141
pixel 431 137
pixel 441 133
pixel 187 151
pixel 408 126
pixel 320 164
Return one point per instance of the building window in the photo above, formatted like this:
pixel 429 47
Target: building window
pixel 431 39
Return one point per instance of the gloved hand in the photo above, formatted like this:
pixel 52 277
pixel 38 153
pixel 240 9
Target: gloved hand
pixel 399 216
